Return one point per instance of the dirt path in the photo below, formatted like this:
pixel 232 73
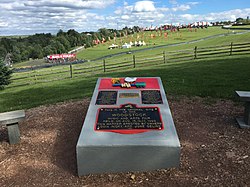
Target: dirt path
pixel 215 152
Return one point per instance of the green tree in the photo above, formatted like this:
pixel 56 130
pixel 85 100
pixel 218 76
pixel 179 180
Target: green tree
pixel 16 54
pixel 3 52
pixel 36 52
pixel 239 20
pixel 5 74
pixel 47 50
pixel 66 44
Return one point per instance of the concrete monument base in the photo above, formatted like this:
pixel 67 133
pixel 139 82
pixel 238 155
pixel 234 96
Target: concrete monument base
pixel 242 123
pixel 101 151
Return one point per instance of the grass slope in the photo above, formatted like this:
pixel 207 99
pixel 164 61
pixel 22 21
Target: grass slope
pixel 175 37
pixel 217 78
pixel 225 40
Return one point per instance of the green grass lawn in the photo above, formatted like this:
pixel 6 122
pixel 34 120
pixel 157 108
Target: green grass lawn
pixel 102 49
pixel 242 26
pixel 217 78
pixel 29 63
pixel 225 40
pixel 175 37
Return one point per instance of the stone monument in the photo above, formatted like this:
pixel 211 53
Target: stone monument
pixel 128 127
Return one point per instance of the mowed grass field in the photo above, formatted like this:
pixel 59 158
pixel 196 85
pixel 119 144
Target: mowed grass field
pixel 213 78
pixel 172 38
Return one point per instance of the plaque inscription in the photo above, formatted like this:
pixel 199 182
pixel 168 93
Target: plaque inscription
pixel 106 98
pixel 151 97
pixel 129 117
pixel 129 95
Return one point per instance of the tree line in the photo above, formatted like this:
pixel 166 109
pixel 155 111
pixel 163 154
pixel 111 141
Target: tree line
pixel 43 44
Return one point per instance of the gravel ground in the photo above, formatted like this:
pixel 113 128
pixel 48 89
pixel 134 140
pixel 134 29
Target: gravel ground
pixel 214 151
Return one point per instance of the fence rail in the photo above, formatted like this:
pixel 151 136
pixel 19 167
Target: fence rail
pixel 76 70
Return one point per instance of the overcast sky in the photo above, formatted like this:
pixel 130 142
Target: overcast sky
pixel 21 17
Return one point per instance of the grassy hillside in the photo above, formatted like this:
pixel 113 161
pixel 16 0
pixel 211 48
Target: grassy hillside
pixel 217 78
pixel 224 40
pixel 173 37
pixel 35 62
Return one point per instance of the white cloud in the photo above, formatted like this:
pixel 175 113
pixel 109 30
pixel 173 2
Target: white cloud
pixel 36 16
pixel 3 24
pixel 181 8
pixel 230 15
pixel 193 3
pixel 144 6
pixel 125 17
pixel 50 15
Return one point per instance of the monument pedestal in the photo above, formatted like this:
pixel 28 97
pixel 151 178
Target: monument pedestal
pixel 127 130
pixel 244 122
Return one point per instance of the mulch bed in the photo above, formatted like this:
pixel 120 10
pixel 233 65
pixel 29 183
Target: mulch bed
pixel 214 151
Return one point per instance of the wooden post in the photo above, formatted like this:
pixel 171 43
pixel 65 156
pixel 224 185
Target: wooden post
pixel 231 48
pixel 134 60
pixel 195 52
pixel 164 57
pixel 104 69
pixel 35 78
pixel 71 71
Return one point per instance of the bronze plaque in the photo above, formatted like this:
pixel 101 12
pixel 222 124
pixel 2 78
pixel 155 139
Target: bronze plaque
pixel 129 117
pixel 106 98
pixel 128 95
pixel 151 97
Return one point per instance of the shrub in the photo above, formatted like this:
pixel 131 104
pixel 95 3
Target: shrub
pixel 5 74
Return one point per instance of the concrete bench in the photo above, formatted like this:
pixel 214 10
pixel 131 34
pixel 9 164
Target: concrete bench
pixel 11 119
pixel 244 122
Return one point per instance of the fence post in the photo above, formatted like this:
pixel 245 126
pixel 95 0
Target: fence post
pixel 104 68
pixel 231 48
pixel 71 71
pixel 195 52
pixel 134 60
pixel 164 57
pixel 35 78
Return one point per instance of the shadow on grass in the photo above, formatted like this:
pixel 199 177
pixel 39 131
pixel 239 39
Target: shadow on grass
pixel 42 94
pixel 217 78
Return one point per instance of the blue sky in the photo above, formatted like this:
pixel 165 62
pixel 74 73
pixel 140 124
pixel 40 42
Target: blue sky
pixel 18 17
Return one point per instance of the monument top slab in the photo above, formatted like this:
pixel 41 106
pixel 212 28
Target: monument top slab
pixel 128 127
pixel 165 133
pixel 244 95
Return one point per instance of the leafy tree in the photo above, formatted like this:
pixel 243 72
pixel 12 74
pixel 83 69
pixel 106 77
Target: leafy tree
pixel 25 54
pixel 7 43
pixel 16 54
pixel 5 74
pixel 36 52
pixel 47 50
pixel 104 32
pixel 60 33
pixel 57 47
pixel 3 52
pixel 64 42
pixel 239 20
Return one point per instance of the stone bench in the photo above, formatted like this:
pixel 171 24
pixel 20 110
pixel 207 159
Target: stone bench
pixel 244 122
pixel 11 119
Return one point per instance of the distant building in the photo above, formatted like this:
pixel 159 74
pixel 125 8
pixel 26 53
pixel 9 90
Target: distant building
pixel 60 58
